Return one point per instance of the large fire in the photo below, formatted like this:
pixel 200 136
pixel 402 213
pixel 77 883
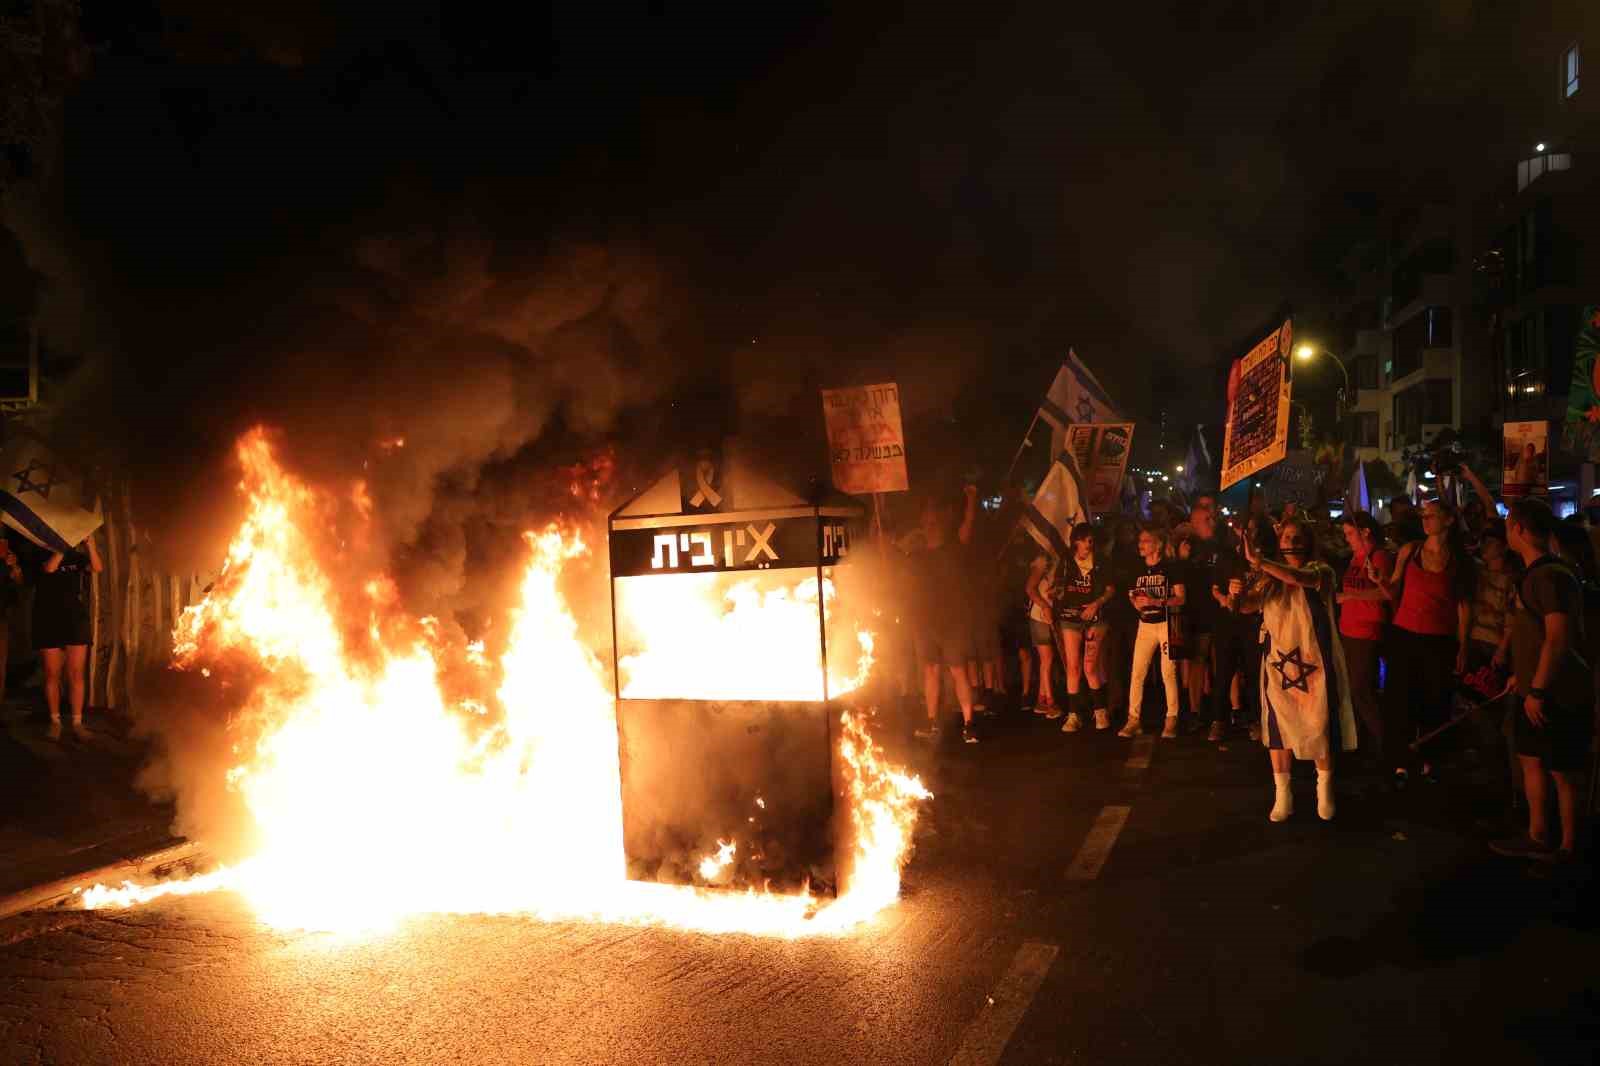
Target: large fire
pixel 743 617
pixel 353 758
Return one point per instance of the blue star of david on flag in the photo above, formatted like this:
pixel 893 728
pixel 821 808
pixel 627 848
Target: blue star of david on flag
pixel 1302 670
pixel 26 482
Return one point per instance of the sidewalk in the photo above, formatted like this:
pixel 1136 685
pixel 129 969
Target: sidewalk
pixel 69 806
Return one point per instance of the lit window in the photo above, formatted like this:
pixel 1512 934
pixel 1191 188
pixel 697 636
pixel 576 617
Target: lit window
pixel 1569 68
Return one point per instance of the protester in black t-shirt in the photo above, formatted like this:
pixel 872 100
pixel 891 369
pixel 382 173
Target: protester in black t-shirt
pixel 1200 609
pixel 1083 588
pixel 1236 633
pixel 1156 585
pixel 1122 621
pixel 1555 682
pixel 979 535
pixel 61 629
pixel 941 628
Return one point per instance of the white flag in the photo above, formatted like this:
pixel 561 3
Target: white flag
pixel 1355 496
pixel 39 498
pixel 1057 507
pixel 1074 396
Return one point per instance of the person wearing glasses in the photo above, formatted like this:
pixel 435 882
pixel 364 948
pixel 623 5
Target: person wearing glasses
pixel 1306 711
pixel 1432 585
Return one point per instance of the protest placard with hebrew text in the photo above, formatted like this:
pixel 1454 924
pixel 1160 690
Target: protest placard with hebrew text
pixel 866 444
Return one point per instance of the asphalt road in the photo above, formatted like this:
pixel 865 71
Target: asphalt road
pixel 1063 906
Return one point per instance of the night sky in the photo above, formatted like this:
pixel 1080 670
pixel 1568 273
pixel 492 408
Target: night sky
pixel 713 210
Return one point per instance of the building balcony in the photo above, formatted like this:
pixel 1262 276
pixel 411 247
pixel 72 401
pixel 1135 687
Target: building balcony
pixel 1531 170
pixel 1432 290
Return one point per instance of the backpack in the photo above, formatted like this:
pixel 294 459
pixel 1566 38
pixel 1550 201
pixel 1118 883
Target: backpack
pixel 1591 603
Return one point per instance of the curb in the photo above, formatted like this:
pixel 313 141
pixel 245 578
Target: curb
pixel 153 866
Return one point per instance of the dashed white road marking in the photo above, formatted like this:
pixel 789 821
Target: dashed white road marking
pixel 1097 845
pixel 989 1032
pixel 1143 745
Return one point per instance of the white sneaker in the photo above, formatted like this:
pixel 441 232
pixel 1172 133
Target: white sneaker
pixel 1281 808
pixel 1131 729
pixel 1325 805
pixel 1102 719
pixel 1072 724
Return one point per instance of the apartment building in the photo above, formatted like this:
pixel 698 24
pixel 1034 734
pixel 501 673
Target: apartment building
pixel 1465 314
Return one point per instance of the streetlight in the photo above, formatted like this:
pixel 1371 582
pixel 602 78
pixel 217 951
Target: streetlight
pixel 1306 352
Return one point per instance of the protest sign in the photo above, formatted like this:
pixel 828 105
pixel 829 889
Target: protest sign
pixel 1257 433
pixel 1525 466
pixel 866 444
pixel 1101 451
pixel 1294 480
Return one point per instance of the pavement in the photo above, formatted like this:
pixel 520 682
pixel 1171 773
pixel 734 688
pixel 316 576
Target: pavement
pixel 70 805
pixel 1073 899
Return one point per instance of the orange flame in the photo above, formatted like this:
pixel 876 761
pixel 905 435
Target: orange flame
pixel 352 756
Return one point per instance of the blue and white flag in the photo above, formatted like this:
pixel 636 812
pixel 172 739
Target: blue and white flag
pixel 1305 682
pixel 41 500
pixel 1198 470
pixel 1057 507
pixel 1074 396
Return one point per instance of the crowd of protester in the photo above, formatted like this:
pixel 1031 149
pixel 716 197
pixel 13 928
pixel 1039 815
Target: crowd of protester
pixel 1437 630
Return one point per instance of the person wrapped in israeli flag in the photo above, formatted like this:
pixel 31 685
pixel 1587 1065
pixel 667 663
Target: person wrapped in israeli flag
pixel 1306 711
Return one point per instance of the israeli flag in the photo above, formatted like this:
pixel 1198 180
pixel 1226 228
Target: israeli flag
pixel 1075 396
pixel 1057 507
pixel 39 498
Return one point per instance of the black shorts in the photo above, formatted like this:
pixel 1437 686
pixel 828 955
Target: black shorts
pixel 60 625
pixel 1562 743
pixel 947 646
pixel 985 639
pixel 1014 628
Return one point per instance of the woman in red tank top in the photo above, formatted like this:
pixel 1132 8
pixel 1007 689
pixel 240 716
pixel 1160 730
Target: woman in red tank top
pixel 1432 580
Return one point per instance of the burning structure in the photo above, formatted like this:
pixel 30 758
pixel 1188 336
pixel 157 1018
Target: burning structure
pixel 729 644
pixel 350 732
